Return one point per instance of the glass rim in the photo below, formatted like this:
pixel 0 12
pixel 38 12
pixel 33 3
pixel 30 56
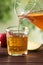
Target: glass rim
pixel 10 28
pixel 15 26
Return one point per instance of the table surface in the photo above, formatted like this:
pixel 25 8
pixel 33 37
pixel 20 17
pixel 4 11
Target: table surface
pixel 33 58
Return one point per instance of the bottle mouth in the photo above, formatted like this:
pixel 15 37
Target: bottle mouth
pixel 25 9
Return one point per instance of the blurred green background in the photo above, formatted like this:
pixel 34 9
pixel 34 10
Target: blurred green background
pixel 8 17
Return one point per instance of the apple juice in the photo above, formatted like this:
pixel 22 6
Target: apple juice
pixel 17 43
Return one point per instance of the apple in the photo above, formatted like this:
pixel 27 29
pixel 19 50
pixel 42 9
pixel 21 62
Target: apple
pixel 33 45
pixel 3 40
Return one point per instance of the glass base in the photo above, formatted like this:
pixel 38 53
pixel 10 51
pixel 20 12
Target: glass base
pixel 18 54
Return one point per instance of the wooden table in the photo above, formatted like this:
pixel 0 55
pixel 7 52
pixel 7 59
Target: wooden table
pixel 33 58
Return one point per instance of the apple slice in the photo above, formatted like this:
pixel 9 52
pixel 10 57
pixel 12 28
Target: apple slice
pixel 33 45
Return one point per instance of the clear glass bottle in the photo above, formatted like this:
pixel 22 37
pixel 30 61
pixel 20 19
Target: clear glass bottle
pixel 30 13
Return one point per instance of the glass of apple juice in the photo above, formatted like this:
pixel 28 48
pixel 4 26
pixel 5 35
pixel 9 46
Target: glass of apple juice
pixel 17 40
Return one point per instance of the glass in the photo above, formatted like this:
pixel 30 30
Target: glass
pixel 17 40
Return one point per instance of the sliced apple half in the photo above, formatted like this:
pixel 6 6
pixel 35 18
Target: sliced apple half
pixel 33 45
